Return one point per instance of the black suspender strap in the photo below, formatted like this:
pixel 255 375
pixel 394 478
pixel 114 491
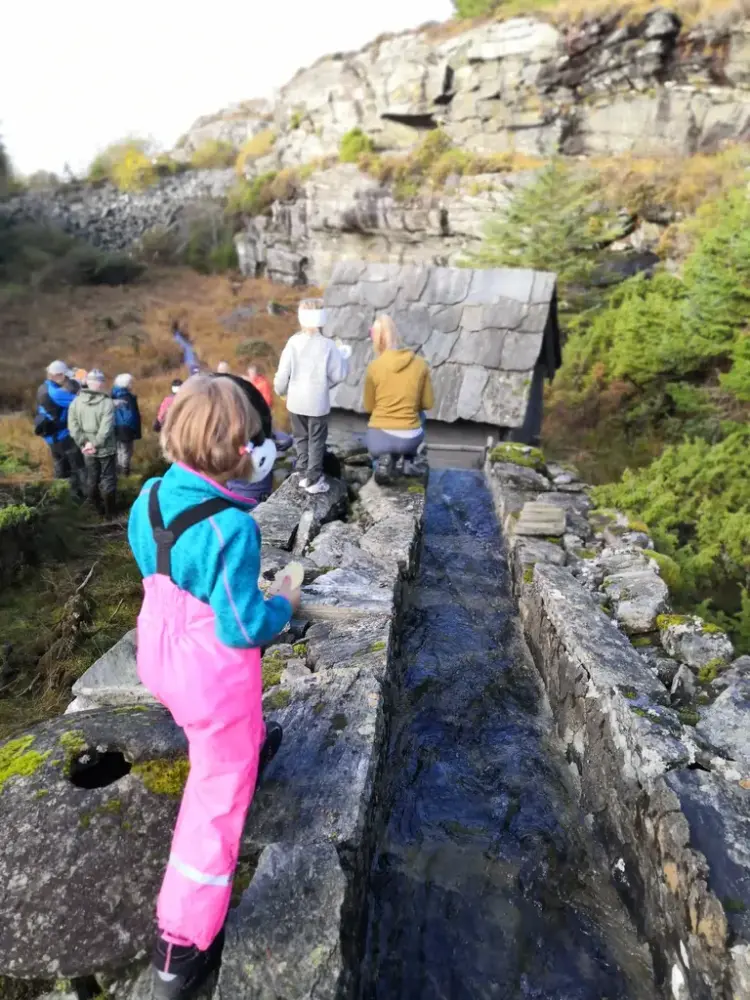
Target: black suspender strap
pixel 165 537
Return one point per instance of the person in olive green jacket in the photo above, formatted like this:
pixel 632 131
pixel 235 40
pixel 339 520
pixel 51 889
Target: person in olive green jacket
pixel 91 422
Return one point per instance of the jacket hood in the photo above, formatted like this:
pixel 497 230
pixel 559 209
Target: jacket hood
pixel 91 396
pixel 396 361
pixel 119 392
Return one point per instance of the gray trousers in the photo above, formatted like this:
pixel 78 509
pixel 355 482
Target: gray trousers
pixel 101 478
pixel 124 457
pixel 382 443
pixel 310 436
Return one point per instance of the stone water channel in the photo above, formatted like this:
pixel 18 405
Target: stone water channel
pixel 486 882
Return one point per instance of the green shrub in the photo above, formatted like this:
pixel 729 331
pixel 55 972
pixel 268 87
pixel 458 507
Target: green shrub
pixel 354 144
pixel 259 145
pixel 251 197
pixel 474 8
pixel 696 500
pixel 213 153
pixel 209 247
pixel 127 164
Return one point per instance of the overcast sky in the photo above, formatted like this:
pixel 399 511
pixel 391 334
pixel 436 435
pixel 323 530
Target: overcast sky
pixel 77 75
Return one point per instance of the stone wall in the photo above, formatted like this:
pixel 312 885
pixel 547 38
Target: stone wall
pixel 115 220
pixel 669 799
pixel 310 834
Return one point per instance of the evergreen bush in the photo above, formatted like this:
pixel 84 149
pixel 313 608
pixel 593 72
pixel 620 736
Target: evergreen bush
pixel 355 144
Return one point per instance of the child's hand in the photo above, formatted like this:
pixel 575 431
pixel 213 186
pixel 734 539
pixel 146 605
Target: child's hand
pixel 290 592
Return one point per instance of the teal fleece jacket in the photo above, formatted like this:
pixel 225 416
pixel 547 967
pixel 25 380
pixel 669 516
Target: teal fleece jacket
pixel 217 560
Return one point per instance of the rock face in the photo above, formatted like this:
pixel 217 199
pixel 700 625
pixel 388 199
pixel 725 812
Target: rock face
pixel 673 814
pixel 279 518
pixel 80 867
pixel 284 940
pixel 691 641
pixel 489 336
pixel 599 87
pixel 113 679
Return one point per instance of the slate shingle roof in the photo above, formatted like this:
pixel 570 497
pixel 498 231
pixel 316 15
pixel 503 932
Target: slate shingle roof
pixel 482 332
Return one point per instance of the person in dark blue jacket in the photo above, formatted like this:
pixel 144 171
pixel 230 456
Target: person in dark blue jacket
pixel 53 400
pixel 127 421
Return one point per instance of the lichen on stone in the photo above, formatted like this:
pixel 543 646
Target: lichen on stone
pixel 272 669
pixel 164 777
pixel 277 700
pixel 416 488
pixel 528 573
pixel 671 621
pixel 377 647
pixel 709 671
pixel 688 716
pixel 17 760
pixel 300 648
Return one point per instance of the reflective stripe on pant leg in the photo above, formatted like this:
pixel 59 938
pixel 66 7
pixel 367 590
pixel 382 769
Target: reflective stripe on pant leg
pixel 194 897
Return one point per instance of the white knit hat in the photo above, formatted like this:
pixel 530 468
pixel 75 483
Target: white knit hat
pixel 95 375
pixel 123 381
pixel 311 318
pixel 57 368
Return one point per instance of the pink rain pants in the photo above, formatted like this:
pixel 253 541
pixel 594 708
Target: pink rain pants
pixel 214 693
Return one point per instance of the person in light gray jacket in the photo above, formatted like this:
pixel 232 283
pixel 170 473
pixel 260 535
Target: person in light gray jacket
pixel 310 365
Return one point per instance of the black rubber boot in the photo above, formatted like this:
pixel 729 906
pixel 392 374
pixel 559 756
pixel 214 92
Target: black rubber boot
pixel 271 744
pixel 109 504
pixel 385 470
pixel 181 970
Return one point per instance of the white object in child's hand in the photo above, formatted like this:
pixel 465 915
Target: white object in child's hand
pixel 294 573
pixel 344 349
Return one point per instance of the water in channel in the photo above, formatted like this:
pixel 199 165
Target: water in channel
pixel 486 883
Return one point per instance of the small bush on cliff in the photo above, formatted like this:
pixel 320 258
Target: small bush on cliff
pixel 126 164
pixel 474 8
pixel 213 153
pixel 259 145
pixel 355 144
pixel 695 499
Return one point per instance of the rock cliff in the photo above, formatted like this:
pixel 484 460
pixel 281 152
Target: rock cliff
pixel 525 87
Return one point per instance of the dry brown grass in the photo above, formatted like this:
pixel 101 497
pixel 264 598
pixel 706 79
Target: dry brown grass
pixel 723 13
pixel 128 329
pixel 683 183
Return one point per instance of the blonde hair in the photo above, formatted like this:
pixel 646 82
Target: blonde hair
pixel 208 424
pixel 384 334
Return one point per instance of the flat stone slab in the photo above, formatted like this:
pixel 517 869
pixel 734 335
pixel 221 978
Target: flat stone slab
pixel 113 679
pixel 359 642
pixel 356 590
pixel 284 939
pixel 726 723
pixel 329 547
pixel 379 504
pixel 80 868
pixel 280 515
pixel 540 519
pixel 638 594
pixel 319 786
pixel 530 550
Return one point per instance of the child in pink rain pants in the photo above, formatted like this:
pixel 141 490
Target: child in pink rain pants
pixel 199 631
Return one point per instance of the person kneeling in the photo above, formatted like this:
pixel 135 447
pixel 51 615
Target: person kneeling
pixel 398 389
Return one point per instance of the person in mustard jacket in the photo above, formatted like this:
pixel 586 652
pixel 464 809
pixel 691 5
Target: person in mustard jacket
pixel 397 391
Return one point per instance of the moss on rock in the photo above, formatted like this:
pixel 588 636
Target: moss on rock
pixel 277 700
pixel 164 777
pixel 18 760
pixel 518 454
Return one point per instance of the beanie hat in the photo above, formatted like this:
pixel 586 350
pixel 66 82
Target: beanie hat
pixel 95 375
pixel 57 368
pixel 310 318
pixel 80 374
pixel 123 381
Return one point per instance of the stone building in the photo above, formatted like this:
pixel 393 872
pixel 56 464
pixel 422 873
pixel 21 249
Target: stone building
pixel 491 338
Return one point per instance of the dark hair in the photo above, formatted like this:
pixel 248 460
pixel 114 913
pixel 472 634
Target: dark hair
pixel 257 402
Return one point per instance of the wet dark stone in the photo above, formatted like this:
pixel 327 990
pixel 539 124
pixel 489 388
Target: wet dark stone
pixel 486 883
pixel 81 863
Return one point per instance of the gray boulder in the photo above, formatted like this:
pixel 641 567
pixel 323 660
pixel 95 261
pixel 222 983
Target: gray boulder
pixel 328 548
pixel 690 640
pixel 358 642
pixel 726 723
pixel 80 867
pixel 662 665
pixel 279 517
pixel 638 594
pixel 540 519
pixel 684 686
pixel 738 670
pixel 113 679
pixel 319 786
pixel 284 939
pixel 392 541
pixel 518 477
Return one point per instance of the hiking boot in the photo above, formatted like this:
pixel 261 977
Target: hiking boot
pixel 109 504
pixel 271 744
pixel 181 970
pixel 384 470
pixel 320 487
